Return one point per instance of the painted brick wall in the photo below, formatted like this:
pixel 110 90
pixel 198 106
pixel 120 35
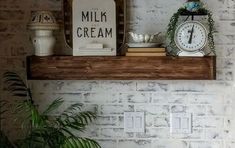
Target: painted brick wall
pixel 210 102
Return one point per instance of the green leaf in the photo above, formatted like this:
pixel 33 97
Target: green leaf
pixel 13 80
pixel 45 131
pixel 18 89
pixel 72 108
pixel 3 109
pixel 86 117
pixel 53 106
pixel 67 131
pixel 83 143
pixel 15 85
pixel 20 94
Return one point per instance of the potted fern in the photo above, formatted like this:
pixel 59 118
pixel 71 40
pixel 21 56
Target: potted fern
pixel 45 131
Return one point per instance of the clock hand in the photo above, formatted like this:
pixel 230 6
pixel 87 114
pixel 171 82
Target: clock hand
pixel 191 36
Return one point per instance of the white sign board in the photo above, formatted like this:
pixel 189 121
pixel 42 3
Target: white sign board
pixel 94 27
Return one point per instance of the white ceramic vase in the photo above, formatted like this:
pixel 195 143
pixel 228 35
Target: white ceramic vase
pixel 43 42
pixel 43 23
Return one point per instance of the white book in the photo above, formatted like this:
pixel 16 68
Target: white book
pixel 95 54
pixel 96 50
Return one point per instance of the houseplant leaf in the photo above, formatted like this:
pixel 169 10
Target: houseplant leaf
pixel 46 131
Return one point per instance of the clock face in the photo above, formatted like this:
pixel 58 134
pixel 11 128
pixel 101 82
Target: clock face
pixel 191 36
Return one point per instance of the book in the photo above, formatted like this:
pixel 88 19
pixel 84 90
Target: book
pixel 95 52
pixel 132 54
pixel 96 49
pixel 148 50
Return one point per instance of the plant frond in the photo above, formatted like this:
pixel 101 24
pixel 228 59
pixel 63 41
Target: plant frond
pixel 33 140
pixel 70 124
pixel 82 117
pixel 77 142
pixel 18 89
pixel 26 112
pixel 44 131
pixel 23 107
pixel 53 106
pixel 75 125
pixel 72 108
pixel 44 137
pixel 37 119
pixel 3 103
pixel 10 73
pixel 54 137
pixel 66 131
pixel 86 117
pixel 15 84
pixel 3 109
pixel 9 79
pixel 77 122
pixel 23 95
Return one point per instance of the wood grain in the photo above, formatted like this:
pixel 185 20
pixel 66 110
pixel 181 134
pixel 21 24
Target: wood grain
pixel 68 18
pixel 121 68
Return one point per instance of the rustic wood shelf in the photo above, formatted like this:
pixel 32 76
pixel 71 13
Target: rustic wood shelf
pixel 121 68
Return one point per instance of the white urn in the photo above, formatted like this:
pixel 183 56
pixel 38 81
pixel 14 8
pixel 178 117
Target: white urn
pixel 43 23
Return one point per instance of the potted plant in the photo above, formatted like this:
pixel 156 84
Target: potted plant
pixel 43 130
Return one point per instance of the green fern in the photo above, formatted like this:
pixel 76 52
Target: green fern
pixel 4 141
pixel 44 130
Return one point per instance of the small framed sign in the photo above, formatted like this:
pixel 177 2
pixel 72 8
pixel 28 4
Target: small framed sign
pixel 94 28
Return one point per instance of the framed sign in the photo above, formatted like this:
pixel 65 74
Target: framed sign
pixel 92 29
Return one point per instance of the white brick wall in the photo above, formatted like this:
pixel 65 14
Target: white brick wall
pixel 210 102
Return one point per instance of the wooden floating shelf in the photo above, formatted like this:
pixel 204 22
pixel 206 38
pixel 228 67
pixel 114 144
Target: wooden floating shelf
pixel 121 68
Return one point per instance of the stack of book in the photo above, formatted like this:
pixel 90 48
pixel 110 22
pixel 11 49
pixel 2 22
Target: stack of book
pixel 146 51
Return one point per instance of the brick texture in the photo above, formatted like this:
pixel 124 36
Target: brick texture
pixel 212 103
